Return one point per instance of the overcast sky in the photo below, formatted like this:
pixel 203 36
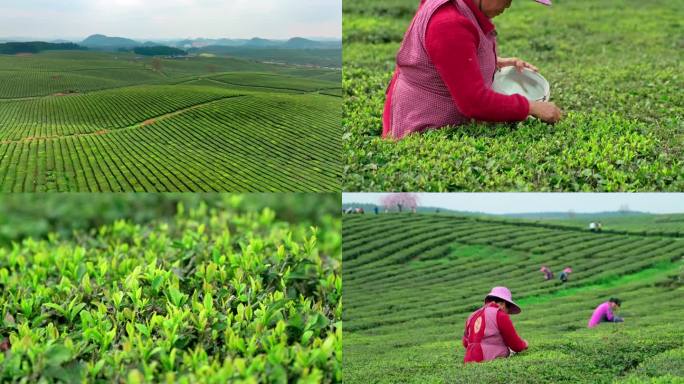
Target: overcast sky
pixel 171 18
pixel 540 202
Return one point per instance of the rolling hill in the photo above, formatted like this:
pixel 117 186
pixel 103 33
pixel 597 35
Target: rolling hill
pixel 107 42
pixel 103 121
pixel 411 280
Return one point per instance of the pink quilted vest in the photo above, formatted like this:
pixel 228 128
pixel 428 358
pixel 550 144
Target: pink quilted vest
pixel 420 100
pixel 492 343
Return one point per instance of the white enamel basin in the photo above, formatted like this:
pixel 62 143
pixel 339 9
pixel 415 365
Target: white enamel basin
pixel 528 83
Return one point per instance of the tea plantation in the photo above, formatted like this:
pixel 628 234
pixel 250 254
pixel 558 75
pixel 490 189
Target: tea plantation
pixel 97 122
pixel 615 70
pixel 659 225
pixel 209 295
pixel 411 280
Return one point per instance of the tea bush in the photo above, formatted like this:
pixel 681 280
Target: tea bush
pixel 413 279
pixel 615 71
pixel 665 224
pixel 36 215
pixel 210 295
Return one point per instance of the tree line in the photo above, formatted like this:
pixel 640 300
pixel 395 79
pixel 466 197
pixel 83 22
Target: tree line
pixel 14 48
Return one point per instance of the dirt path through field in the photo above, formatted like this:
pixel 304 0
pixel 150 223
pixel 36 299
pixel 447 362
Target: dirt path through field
pixel 145 123
pixel 260 86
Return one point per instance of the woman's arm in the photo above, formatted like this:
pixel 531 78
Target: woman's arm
pixel 514 62
pixel 608 312
pixel 451 41
pixel 545 111
pixel 507 330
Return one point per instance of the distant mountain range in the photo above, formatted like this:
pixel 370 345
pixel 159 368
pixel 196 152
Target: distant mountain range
pixel 566 215
pixel 104 42
pixel 114 43
pixel 107 42
pixel 294 51
pixel 293 43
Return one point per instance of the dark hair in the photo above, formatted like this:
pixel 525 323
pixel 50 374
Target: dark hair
pixel 615 300
pixel 495 299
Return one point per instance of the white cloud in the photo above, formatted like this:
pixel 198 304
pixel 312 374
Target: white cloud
pixel 173 18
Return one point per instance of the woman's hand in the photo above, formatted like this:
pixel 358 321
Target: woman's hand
pixel 514 62
pixel 545 111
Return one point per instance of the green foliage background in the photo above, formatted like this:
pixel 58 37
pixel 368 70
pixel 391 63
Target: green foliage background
pixel 171 288
pixel 36 215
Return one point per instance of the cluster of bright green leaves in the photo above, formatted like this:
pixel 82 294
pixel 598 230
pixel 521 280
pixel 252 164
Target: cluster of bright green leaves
pixel 37 215
pixel 210 296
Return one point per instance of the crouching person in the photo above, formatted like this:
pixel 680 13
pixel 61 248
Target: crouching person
pixel 604 313
pixel 489 332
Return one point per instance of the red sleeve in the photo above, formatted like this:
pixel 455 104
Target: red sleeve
pixel 451 41
pixel 510 336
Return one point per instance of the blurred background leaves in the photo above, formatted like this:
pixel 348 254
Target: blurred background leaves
pixel 37 215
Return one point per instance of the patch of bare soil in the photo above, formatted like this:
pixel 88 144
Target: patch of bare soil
pixel 65 93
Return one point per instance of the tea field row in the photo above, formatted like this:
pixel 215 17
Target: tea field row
pixel 411 280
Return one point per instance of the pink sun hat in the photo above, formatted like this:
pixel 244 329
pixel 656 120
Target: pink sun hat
pixel 567 270
pixel 504 294
pixel 545 2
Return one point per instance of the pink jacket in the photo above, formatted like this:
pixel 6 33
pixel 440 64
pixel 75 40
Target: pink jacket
pixel 489 334
pixel 601 312
pixel 419 97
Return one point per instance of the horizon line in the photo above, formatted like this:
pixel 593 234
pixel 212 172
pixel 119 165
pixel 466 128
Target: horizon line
pixel 174 38
pixel 530 212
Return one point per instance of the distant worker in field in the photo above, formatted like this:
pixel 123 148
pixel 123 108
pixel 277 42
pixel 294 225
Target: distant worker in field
pixel 565 274
pixel 376 209
pixel 489 332
pixel 445 69
pixel 548 275
pixel 592 226
pixel 604 313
